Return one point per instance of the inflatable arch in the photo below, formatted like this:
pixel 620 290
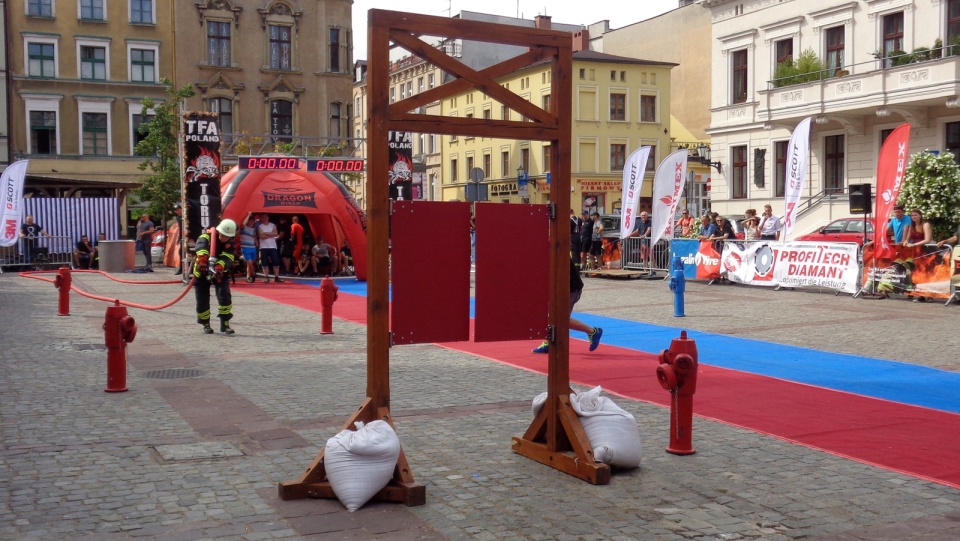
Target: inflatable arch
pixel 330 209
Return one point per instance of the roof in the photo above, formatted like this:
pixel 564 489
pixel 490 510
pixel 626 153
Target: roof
pixel 595 56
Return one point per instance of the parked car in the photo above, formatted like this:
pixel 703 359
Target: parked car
pixel 157 242
pixel 842 230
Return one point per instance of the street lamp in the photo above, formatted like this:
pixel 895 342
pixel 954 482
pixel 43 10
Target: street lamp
pixel 703 155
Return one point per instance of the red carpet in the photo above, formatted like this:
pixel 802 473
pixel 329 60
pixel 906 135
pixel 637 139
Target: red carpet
pixel 898 437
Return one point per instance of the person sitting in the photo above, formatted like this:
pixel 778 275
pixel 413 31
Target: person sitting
pixel 346 261
pixel 305 264
pixel 324 259
pixel 83 253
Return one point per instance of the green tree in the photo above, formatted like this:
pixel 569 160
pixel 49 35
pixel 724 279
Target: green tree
pixel 161 149
pixel 932 185
pixel 805 68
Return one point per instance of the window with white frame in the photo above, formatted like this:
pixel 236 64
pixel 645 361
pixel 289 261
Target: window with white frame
pixel 137 119
pixel 92 10
pixel 618 156
pixel 618 106
pixel 833 162
pixel 739 76
pixel 648 108
pixel 835 45
pixel 41 58
pixel 143 62
pixel 93 57
pixel 738 171
pixel 43 132
pixel 95 127
pixel 142 12
pixel 892 36
pixel 218 43
pixel 40 8
pixel 953 22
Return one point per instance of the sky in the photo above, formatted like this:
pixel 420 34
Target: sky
pixel 620 13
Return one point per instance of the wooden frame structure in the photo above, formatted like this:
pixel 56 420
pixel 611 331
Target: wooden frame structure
pixel 556 437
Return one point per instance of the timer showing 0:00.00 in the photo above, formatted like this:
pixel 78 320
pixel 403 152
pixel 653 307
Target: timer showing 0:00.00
pixel 268 162
pixel 335 165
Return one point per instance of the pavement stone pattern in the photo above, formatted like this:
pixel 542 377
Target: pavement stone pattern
pixel 79 463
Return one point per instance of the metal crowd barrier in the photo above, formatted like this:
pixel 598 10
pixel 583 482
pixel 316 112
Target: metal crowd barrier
pixel 37 253
pixel 636 254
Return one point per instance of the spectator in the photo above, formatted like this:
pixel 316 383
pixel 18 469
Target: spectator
pixel 950 240
pixel 770 225
pixel 30 231
pixel 707 228
pixel 285 244
pixel 346 261
pixel 643 228
pixel 219 259
pixel 296 237
pixel 593 333
pixel 96 249
pixel 325 260
pixel 586 239
pixel 919 231
pixel 145 231
pixel 897 225
pixel 83 253
pixel 178 214
pixel 575 238
pixel 724 232
pixel 248 247
pixel 684 227
pixel 596 242
pixel 750 230
pixel 269 255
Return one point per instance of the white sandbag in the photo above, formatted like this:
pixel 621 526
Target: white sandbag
pixel 538 403
pixel 612 432
pixel 360 463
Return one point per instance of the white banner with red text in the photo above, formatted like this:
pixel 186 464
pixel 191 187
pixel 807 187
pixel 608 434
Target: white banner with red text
pixel 791 264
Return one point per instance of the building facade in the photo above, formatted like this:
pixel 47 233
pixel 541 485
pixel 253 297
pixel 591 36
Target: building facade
pixel 619 104
pixel 884 63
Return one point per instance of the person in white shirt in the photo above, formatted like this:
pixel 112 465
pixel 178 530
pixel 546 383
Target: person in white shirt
pixel 770 225
pixel 269 255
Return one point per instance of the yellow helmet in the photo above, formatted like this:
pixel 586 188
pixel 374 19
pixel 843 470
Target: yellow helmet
pixel 227 227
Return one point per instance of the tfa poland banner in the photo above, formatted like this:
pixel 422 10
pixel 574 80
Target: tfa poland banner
pixel 667 189
pixel 12 182
pixel 890 170
pixel 633 171
pixel 201 156
pixel 798 152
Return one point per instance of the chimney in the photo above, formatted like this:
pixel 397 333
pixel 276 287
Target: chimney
pixel 581 40
pixel 542 21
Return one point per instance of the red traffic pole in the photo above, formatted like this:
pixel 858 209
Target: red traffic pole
pixel 119 329
pixel 328 295
pixel 63 282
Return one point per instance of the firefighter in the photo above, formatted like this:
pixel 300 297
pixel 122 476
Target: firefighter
pixel 214 267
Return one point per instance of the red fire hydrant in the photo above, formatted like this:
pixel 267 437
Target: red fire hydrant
pixel 63 281
pixel 328 295
pixel 677 373
pixel 119 329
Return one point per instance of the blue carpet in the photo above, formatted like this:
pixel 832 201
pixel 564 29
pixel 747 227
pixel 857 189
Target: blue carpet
pixel 877 378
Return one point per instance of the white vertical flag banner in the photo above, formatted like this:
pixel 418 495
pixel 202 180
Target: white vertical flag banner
pixel 633 170
pixel 798 152
pixel 12 183
pixel 668 185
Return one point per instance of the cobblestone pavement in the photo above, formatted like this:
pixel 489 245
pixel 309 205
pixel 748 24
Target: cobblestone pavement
pixel 200 456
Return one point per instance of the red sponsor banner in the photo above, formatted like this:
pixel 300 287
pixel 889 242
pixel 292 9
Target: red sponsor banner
pixel 708 261
pixel 890 170
pixel 916 272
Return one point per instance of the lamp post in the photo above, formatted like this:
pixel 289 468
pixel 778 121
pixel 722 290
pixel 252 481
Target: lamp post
pixel 703 155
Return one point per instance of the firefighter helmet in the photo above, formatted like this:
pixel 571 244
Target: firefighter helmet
pixel 227 227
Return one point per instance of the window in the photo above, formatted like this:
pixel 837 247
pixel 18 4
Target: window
pixel 141 11
pixel 419 85
pixel 618 156
pixel 648 108
pixel 739 76
pixel 94 134
pixel 652 160
pixel 218 43
pixel 335 50
pixel 281 120
pixel 224 109
pixel 545 101
pixel 335 121
pixel 280 48
pixel 618 106
pixel 43 132
pixel 504 112
pixel 41 60
pixel 486 165
pixel 454 175
pixel 143 65
pixel 505 171
pixel 583 74
pixel 784 50
pixel 525 159
pixel 546 158
pixel 833 164
pixel 613 75
pixel 739 172
pixel 431 143
pixel 487 114
pixel 780 168
pixel 137 121
pixel 91 9
pixel 93 63
pixel 835 46
pixel 410 89
pixel 892 36
pixel 953 21
pixel 40 8
pixel 883 137
pixel 952 144
pixel 430 81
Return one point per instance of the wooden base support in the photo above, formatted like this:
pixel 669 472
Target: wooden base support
pixel 313 483
pixel 556 439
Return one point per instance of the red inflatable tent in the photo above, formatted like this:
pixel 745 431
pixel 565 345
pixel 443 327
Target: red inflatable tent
pixel 330 209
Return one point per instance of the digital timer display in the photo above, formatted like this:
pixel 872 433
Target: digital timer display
pixel 335 165
pixel 282 163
